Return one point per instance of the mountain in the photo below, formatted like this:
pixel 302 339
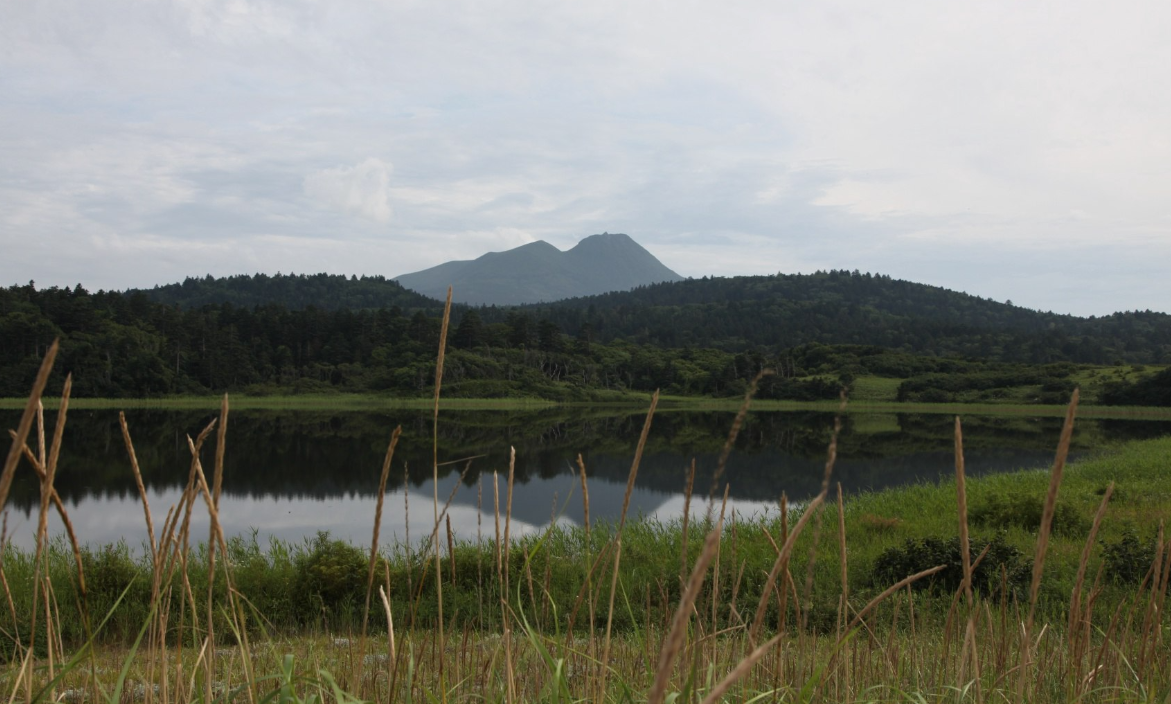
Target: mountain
pixel 538 272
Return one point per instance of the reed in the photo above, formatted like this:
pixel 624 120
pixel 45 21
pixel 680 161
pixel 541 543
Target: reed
pixel 1043 540
pixel 676 636
pixel 385 474
pixel 671 630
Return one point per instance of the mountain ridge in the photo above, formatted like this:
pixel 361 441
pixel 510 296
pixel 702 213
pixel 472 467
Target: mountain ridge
pixel 538 272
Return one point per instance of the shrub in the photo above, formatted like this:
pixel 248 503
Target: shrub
pixel 1128 559
pixel 914 556
pixel 332 571
pixel 109 571
pixel 1024 511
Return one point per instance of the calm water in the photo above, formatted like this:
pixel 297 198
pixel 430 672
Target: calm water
pixel 290 474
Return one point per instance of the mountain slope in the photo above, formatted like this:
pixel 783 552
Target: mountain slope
pixel 538 271
pixel 840 307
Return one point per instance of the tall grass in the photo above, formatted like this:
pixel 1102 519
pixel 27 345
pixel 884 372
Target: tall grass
pixel 628 611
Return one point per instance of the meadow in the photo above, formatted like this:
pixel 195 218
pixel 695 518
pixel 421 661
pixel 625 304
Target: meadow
pixel 1035 586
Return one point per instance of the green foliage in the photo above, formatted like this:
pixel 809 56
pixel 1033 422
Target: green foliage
pixel 1051 380
pixel 332 573
pixel 914 556
pixel 1154 390
pixel 1128 559
pixel 320 334
pixel 326 291
pixel 1024 511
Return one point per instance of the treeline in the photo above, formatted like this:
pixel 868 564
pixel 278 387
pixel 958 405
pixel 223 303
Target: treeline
pixel 842 307
pixel 130 346
pixel 296 291
pixel 742 313
pixel 1153 390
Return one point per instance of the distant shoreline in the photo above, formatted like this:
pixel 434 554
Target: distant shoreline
pixel 635 402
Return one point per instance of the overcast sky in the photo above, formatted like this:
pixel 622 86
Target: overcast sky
pixel 1011 150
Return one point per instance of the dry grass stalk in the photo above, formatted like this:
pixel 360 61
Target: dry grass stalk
pixel 968 649
pixel 646 429
pixel 26 424
pixel 677 635
pixel 1075 598
pixel 842 554
pixel 382 478
pixel 479 542
pixel 451 548
pixel 48 463
pixel 686 522
pixel 733 433
pixel 739 671
pixel 589 583
pixel 389 620
pixel 213 506
pixel 508 519
pixel 844 597
pixel 1043 537
pixel 784 516
pixel 861 615
pixel 1153 613
pixel 830 460
pixel 504 610
pixel 235 609
pixel 716 572
pixel 587 589
pixel 782 562
pixel 435 472
pixel 150 530
pixel 585 497
pixel 962 502
pixel 61 511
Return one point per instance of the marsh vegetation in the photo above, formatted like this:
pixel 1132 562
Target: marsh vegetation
pixel 1047 586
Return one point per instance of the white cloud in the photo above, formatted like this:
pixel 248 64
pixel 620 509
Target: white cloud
pixel 748 137
pixel 362 190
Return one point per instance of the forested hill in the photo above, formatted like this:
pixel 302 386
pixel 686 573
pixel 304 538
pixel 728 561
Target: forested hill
pixel 121 345
pixel 747 312
pixel 293 291
pixel 840 307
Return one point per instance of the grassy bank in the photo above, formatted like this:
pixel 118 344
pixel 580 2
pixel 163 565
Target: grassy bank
pixel 307 599
pixel 1027 587
pixel 366 402
pixel 319 584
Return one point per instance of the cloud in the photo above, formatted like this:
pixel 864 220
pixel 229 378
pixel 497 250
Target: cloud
pixel 362 190
pixel 753 137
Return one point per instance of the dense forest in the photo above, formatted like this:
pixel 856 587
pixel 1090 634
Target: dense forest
pixel 819 332
pixel 328 291
pixel 119 345
pixel 756 312
pixel 841 307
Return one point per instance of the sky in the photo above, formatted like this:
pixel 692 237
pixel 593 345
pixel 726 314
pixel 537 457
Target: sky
pixel 1015 151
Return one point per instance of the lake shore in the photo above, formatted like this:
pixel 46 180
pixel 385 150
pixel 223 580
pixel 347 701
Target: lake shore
pixel 636 402
pixel 305 601
pixel 1003 507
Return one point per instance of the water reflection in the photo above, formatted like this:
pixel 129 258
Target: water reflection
pixel 290 474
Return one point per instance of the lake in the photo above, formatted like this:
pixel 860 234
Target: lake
pixel 290 474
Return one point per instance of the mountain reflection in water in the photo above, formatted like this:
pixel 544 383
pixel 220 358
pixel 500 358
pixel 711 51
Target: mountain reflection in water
pixel 289 474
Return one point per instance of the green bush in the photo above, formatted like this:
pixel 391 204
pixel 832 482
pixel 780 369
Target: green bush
pixel 914 556
pixel 1024 511
pixel 332 573
pixel 1128 559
